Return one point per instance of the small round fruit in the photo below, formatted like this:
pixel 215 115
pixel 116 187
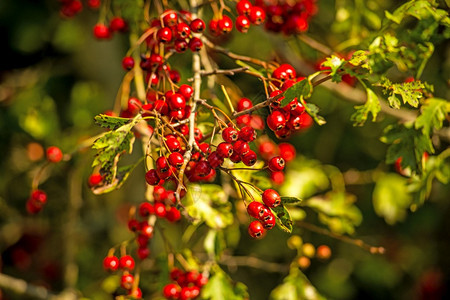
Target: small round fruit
pixel 146 209
pixel 230 135
pixel 276 163
pixel 54 154
pixel 176 159
pixel 309 250
pixel 143 252
pixel 287 151
pixel 270 222
pixel 243 7
pixel 101 32
pixel 152 177
pixel 257 15
pixel 271 198
pixel 171 291
pixel 247 134
pixel 176 102
pixel 195 44
pixel 242 24
pixel 197 25
pixel 164 35
pixel 126 281
pixel 111 263
pixel 276 120
pixel 186 91
pixel 323 252
pixel 224 150
pixel 126 262
pixel 256 230
pixel 128 63
pixel 255 209
pixel 249 159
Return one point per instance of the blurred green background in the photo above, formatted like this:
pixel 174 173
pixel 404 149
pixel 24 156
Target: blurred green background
pixel 54 77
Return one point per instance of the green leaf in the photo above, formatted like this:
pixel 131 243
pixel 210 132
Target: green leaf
pixel 337 210
pixel 359 58
pixel 284 220
pixel 113 123
pixel 121 176
pixel 407 143
pixel 209 203
pixel 291 200
pixel 372 106
pixel 410 92
pixel 434 112
pixel 220 287
pixel 302 88
pixel 335 64
pixel 111 146
pixel 391 198
pixel 294 287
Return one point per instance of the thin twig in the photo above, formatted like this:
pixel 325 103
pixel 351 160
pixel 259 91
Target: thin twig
pixel 224 72
pixel 346 239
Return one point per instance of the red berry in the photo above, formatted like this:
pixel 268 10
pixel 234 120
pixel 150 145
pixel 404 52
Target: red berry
pixel 235 157
pixel 241 148
pixel 133 225
pixel 164 35
pixel 255 209
pixel 142 240
pixel 173 214
pixel 180 45
pixel 146 229
pixel 276 120
pixel 244 104
pixel 111 263
pixel 160 210
pixel 230 135
pixel 197 25
pixel 242 24
pixel 38 198
pixel 134 105
pixel 266 213
pixel 243 7
pixel 175 273
pixel 225 24
pixel 249 159
pixel 128 63
pixel 135 293
pixel 277 177
pixel 195 44
pixel 176 159
pixel 186 91
pixel 271 198
pixel 198 135
pixel 146 209
pixel 247 134
pixel 126 281
pixel 177 102
pixel 159 194
pixel 170 18
pixel 257 15
pixel 213 27
pixel 287 151
pixel 295 123
pixel 94 4
pixel 54 154
pixel 201 280
pixel 256 230
pixel 191 276
pixel 202 169
pixel 126 262
pixel 276 163
pixel 162 164
pixel 101 31
pixel 143 252
pixel 183 30
pixel 171 291
pixel 215 160
pixel 269 222
pixel 224 150
pixel 152 177
pixel 289 70
pixel 283 133
pixel 204 147
pixel 267 149
pixel 118 24
pixel 185 293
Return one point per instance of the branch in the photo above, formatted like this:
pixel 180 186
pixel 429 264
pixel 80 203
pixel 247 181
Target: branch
pixel 225 72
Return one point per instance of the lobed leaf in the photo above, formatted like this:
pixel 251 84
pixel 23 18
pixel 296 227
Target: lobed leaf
pixel 302 88
pixel 372 106
pixel 434 112
pixel 110 122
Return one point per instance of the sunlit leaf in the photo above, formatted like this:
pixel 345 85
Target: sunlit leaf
pixel 372 106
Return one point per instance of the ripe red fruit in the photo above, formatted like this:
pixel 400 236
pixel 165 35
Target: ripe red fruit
pixel 230 135
pixel 152 177
pixel 277 177
pixel 126 262
pixel 146 209
pixel 186 91
pixel 195 44
pixel 287 151
pixel 159 194
pixel 225 24
pixel 54 154
pixel 215 160
pixel 160 210
pixel 101 32
pixel 235 157
pixel 173 214
pixel 146 229
pixel 242 24
pixel 180 45
pixel 244 104
pixel 134 105
pixel 289 70
pixel 213 27
pixel 256 230
pixel 198 135
pixel 164 35
pixel 247 134
pixel 202 169
pixel 243 7
pixel 133 225
pixel 118 24
pixel 271 198
pixel 276 120
pixel 94 4
pixel 267 149
pixel 177 102
pixel 201 280
pixel 128 63
pixel 241 147
pixel 95 179
pixel 176 159
pixel 197 25
pixel 269 222
pixel 257 15
pixel 171 291
pixel 183 30
pixel 111 263
pixel 255 209
pixel 224 150
pixel 170 18
pixel 135 293
pixel 173 144
pixel 143 252
pixel 276 163
pixel 249 159
pixel 162 164
pixel 126 281
pixel 38 198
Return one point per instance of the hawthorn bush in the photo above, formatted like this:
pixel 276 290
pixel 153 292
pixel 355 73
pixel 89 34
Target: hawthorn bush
pixel 266 149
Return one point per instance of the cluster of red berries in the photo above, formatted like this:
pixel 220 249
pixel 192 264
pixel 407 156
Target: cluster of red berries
pixel 265 218
pixel 38 198
pixel 126 264
pixel 254 121
pixel 164 206
pixel 276 156
pixel 186 285
pixel 289 17
pixel 70 8
pixel 291 117
pixel 104 32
